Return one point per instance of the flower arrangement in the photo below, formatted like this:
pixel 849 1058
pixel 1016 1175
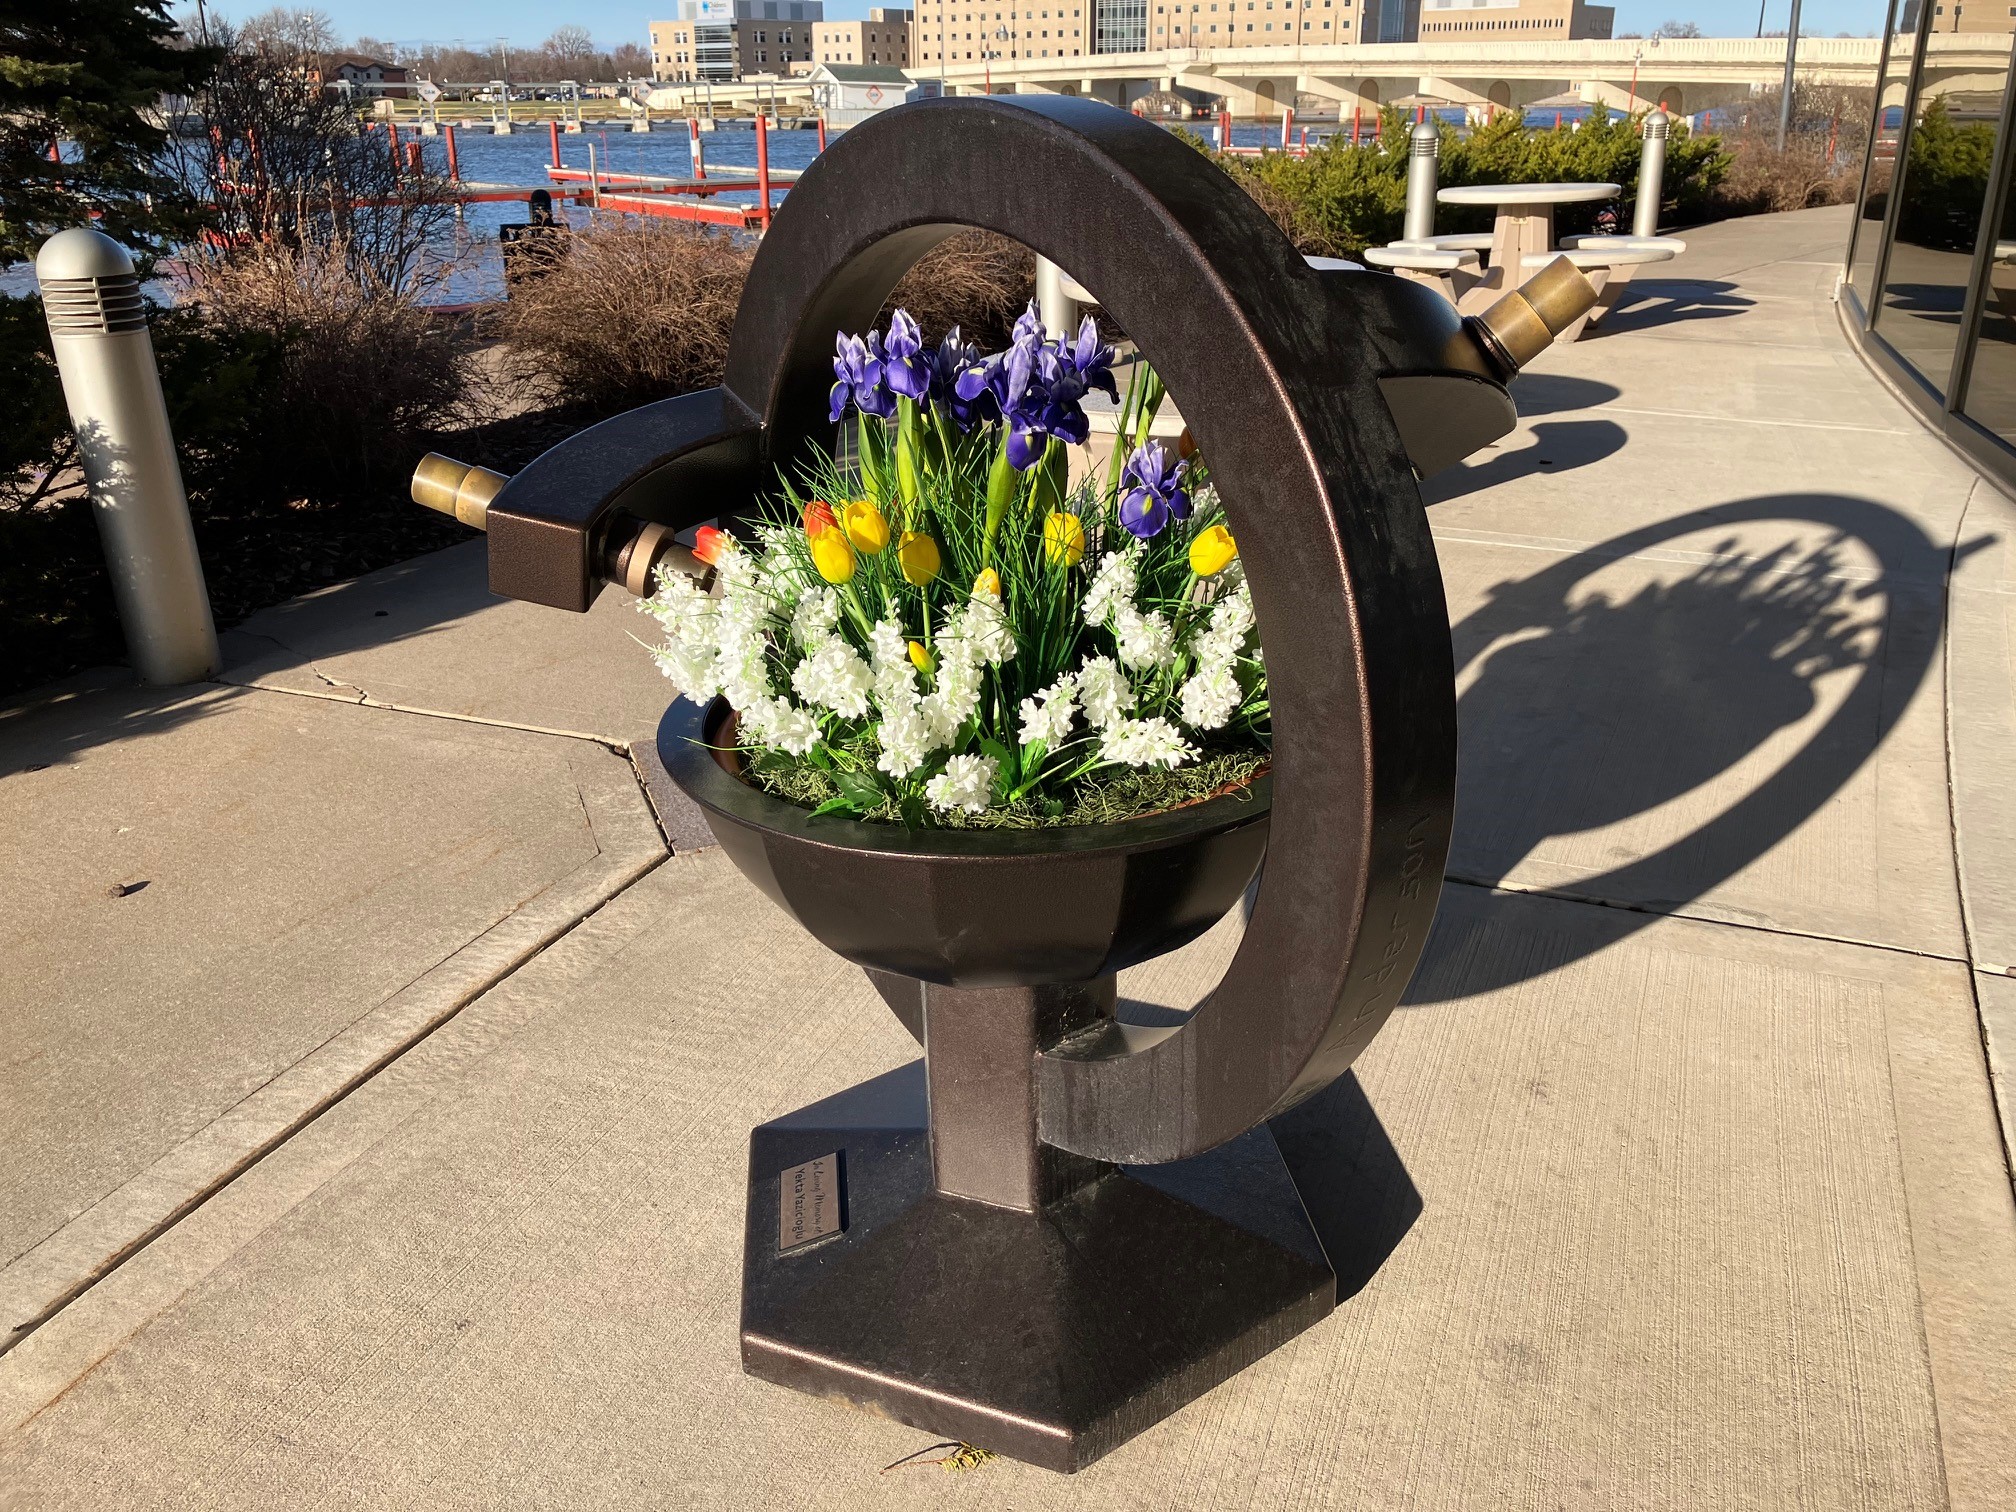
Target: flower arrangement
pixel 938 627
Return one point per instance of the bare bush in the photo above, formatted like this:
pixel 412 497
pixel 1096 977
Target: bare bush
pixel 357 375
pixel 285 161
pixel 1820 162
pixel 634 311
pixel 976 280
pixel 1761 179
pixel 639 310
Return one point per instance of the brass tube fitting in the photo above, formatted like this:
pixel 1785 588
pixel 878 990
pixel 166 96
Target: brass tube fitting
pixel 1523 324
pixel 455 488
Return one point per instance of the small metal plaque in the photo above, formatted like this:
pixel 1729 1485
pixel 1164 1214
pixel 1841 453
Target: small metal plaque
pixel 809 1203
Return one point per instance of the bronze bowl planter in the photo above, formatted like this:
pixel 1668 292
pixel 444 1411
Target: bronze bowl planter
pixel 976 908
pixel 1055 1228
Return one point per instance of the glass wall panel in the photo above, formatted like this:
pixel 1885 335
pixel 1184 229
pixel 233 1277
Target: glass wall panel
pixel 1887 127
pixel 1991 380
pixel 1944 188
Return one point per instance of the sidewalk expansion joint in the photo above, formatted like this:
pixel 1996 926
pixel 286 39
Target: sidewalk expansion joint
pixel 463 995
pixel 1590 900
pixel 364 700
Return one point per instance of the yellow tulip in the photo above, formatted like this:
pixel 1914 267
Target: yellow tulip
pixel 1212 552
pixel 1063 538
pixel 919 657
pixel 917 555
pixel 833 556
pixel 865 527
pixel 988 583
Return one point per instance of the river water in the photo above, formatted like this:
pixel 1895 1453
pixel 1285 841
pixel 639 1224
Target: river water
pixel 471 248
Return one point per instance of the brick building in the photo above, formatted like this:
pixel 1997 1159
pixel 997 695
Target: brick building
pixel 884 38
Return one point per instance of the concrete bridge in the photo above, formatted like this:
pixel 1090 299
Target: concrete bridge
pixel 1683 76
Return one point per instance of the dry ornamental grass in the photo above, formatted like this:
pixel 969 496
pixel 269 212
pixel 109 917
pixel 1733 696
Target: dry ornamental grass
pixel 640 310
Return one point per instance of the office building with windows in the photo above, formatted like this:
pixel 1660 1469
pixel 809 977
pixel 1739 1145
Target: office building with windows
pixel 884 38
pixel 720 40
pixel 1514 21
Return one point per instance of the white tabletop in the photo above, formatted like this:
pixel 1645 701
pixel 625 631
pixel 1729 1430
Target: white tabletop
pixel 1526 194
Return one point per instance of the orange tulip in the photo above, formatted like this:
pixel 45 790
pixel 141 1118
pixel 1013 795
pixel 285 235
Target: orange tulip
pixel 710 545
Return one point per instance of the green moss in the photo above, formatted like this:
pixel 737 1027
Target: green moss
pixel 1102 798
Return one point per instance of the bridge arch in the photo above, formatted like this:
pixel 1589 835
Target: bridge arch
pixel 1263 98
pixel 1368 91
pixel 1499 94
pixel 1672 101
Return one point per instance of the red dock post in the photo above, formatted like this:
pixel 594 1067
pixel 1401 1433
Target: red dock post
pixel 392 141
pixel 1224 131
pixel 822 131
pixel 1420 112
pixel 454 167
pixel 1305 141
pixel 553 135
pixel 693 142
pixel 413 157
pixel 1357 118
pixel 763 170
pixel 1557 120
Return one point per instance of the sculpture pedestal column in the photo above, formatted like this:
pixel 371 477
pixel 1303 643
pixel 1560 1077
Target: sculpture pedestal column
pixel 913 1249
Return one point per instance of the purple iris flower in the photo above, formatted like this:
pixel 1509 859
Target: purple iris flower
pixel 1156 494
pixel 904 364
pixel 1015 380
pixel 858 374
pixel 1089 360
pixel 951 359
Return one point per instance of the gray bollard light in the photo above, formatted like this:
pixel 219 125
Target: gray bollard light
pixel 1651 174
pixel 1424 146
pixel 1058 310
pixel 98 326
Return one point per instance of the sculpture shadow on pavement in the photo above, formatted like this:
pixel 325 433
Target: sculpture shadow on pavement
pixel 1589 697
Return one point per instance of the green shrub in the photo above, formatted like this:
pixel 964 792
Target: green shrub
pixel 1945 180
pixel 1340 199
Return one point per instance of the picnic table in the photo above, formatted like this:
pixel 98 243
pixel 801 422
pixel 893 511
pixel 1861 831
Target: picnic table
pixel 1524 226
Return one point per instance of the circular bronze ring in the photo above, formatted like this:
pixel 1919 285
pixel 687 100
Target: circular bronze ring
pixel 1276 369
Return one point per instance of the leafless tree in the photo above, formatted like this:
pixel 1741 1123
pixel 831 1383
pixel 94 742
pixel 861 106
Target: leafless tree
pixel 288 165
pixel 570 45
pixel 301 30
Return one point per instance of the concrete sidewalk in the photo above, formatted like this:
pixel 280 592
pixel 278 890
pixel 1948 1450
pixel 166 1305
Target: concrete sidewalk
pixel 386 1148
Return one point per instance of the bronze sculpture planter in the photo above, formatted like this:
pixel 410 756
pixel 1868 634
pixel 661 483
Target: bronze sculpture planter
pixel 1056 1228
pixel 1021 1297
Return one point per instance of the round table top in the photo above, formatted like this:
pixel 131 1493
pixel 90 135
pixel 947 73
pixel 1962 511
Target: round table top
pixel 1526 194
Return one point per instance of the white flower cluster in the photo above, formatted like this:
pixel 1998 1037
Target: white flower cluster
pixel 1211 695
pixel 966 783
pixel 1108 691
pixel 762 616
pixel 1147 638
pixel 720 643
pixel 915 724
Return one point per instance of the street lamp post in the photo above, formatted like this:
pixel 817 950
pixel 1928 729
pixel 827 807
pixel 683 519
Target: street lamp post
pixel 1791 61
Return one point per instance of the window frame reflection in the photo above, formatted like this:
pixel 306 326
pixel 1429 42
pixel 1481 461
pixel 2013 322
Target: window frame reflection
pixel 1860 227
pixel 1947 399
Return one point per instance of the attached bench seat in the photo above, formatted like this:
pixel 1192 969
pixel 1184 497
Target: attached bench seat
pixel 1459 241
pixel 1080 295
pixel 1672 246
pixel 2002 278
pixel 1607 262
pixel 1451 273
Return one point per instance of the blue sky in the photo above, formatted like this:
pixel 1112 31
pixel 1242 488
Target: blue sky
pixel 527 22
